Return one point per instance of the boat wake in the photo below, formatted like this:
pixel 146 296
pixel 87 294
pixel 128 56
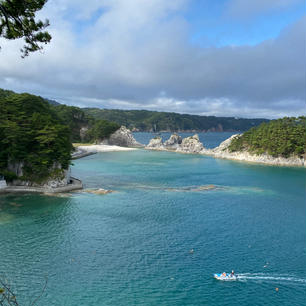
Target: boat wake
pixel 263 277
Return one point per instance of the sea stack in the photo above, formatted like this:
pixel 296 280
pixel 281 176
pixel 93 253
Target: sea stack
pixel 156 143
pixel 122 138
pixel 173 143
pixel 191 144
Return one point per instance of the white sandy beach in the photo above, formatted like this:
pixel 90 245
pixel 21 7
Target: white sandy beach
pixel 103 148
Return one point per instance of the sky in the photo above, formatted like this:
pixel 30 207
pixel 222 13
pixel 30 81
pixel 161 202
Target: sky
pixel 207 57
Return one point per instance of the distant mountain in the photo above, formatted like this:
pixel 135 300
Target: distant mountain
pixel 143 120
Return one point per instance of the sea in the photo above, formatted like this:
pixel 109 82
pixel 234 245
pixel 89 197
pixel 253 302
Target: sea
pixel 172 221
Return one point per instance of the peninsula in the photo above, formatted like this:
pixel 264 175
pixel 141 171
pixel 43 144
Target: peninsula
pixel 280 142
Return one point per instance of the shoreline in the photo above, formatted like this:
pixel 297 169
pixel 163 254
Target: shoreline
pixel 103 148
pixel 263 159
pixel 76 184
pixel 244 157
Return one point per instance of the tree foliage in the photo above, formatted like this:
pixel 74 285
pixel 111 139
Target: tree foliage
pixel 102 129
pixel 32 134
pixel 77 119
pixel 282 137
pixel 154 121
pixel 17 20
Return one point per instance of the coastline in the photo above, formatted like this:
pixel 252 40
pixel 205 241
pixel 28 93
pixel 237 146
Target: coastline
pixel 192 145
pixel 75 184
pixel 263 159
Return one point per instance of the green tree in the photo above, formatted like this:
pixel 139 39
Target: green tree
pixel 17 20
pixel 33 135
pixel 282 137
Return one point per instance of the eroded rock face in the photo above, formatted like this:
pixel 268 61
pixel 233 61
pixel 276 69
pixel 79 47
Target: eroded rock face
pixel 83 132
pixel 156 144
pixel 173 142
pixel 191 144
pixel 61 180
pixel 122 138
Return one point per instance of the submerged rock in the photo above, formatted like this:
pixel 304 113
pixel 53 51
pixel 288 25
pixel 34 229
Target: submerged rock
pixel 98 191
pixel 122 138
pixel 191 144
pixel 205 187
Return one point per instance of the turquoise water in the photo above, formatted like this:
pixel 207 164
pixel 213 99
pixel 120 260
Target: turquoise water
pixel 133 246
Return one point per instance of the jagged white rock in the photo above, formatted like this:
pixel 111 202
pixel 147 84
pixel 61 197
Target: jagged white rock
pixel 123 137
pixel 156 143
pixel 190 144
pixel 173 142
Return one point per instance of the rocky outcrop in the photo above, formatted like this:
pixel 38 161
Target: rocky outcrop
pixel 173 142
pixel 83 133
pixel 222 151
pixel 191 144
pixel 225 144
pixel 156 143
pixel 54 181
pixel 57 178
pixel 122 138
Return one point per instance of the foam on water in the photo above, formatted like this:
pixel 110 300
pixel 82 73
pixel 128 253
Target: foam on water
pixel 264 277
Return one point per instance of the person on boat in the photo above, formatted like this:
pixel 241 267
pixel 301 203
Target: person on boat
pixel 224 274
pixel 233 273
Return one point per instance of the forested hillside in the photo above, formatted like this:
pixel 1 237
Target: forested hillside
pixel 36 136
pixel 83 127
pixel 282 137
pixel 32 138
pixel 143 120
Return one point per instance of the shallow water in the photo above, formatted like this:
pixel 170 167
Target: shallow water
pixel 133 246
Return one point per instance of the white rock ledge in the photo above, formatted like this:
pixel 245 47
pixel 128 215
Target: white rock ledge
pixel 74 184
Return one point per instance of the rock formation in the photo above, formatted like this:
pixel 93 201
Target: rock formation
pixel 225 144
pixel 156 143
pixel 173 142
pixel 123 138
pixel 191 144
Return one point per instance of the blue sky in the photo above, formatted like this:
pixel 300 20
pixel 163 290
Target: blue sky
pixel 222 57
pixel 212 24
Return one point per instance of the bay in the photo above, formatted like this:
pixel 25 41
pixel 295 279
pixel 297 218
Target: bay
pixel 173 221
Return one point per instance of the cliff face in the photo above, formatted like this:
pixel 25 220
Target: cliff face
pixel 122 138
pixel 58 177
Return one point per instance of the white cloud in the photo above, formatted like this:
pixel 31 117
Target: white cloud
pixel 136 54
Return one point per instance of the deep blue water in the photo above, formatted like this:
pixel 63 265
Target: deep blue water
pixel 132 247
